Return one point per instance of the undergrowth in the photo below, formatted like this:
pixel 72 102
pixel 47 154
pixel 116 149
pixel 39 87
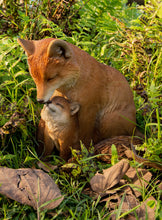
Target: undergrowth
pixel 126 37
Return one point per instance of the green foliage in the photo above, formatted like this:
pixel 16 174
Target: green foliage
pixel 127 38
pixel 84 165
pixel 114 156
pixel 16 90
pixel 35 19
pixel 126 41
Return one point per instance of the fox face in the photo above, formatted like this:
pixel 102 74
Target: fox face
pixel 52 66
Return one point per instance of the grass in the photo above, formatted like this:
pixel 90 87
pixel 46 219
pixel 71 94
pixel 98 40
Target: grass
pixel 127 38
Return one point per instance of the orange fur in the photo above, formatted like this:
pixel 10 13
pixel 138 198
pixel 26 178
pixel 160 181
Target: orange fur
pixel 61 126
pixel 106 100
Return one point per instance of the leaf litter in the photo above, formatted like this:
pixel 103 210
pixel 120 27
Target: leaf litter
pixel 110 177
pixel 120 181
pixel 28 186
pixel 119 186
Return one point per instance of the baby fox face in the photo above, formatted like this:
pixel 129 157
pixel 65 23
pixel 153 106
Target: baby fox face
pixel 59 111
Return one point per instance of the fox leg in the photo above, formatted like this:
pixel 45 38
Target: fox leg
pixel 65 152
pixel 87 126
pixel 45 143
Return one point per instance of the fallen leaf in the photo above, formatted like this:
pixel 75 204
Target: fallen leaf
pixel 118 188
pixel 130 203
pixel 47 167
pixel 16 120
pixel 140 178
pixel 30 186
pixel 88 191
pixel 110 177
pixel 113 201
pixel 129 154
pixel 144 208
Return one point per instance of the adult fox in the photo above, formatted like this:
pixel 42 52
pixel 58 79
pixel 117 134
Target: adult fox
pixel 59 68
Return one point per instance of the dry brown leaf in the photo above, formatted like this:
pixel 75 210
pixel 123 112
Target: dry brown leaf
pixel 140 178
pixel 129 154
pixel 145 208
pixel 88 191
pixel 129 203
pixel 120 187
pixel 47 167
pixel 29 186
pixel 112 201
pixel 110 177
pixel 16 120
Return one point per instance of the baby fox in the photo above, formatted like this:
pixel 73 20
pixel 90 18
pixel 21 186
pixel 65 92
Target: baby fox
pixel 61 125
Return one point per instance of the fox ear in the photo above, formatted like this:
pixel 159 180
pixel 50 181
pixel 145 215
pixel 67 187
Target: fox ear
pixel 59 48
pixel 27 45
pixel 74 108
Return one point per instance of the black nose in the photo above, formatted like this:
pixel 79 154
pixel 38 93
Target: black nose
pixel 41 101
pixel 48 102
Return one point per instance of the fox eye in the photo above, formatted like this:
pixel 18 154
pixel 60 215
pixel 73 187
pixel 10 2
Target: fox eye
pixel 59 105
pixel 52 78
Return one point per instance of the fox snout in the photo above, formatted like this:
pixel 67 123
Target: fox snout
pixel 41 101
pixel 48 102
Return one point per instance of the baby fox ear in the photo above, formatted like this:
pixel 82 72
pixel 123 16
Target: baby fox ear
pixel 74 108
